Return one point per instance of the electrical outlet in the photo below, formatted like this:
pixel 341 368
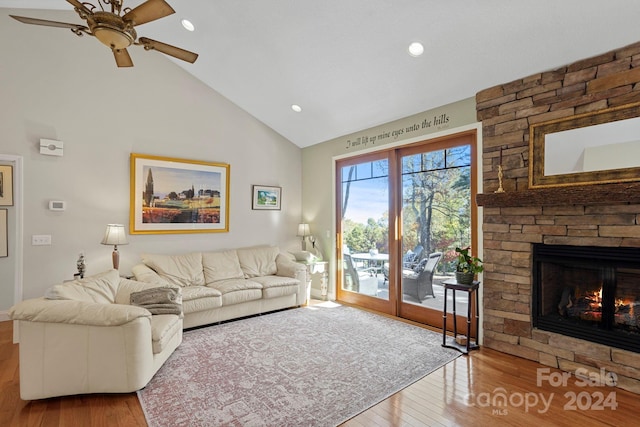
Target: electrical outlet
pixel 41 240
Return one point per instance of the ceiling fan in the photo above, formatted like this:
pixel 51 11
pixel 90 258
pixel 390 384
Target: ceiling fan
pixel 105 23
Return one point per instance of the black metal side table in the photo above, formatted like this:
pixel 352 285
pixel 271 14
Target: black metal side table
pixel 471 290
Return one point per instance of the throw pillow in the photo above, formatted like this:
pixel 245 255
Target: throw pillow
pixel 158 300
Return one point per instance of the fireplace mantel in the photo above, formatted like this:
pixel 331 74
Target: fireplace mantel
pixel 626 192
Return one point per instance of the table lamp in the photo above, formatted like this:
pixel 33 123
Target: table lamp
pixel 304 231
pixel 115 235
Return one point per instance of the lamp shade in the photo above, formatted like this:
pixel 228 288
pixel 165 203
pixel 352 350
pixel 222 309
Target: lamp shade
pixel 114 235
pixel 303 230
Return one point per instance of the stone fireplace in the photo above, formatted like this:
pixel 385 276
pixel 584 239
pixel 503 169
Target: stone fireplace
pixel 586 216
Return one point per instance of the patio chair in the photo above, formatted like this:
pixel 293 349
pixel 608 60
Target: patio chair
pixel 418 282
pixel 409 260
pixel 412 258
pixel 364 281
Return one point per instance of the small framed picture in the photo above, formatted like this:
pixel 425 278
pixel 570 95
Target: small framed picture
pixel 6 185
pixel 266 197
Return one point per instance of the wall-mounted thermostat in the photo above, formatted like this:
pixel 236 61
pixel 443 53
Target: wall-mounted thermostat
pixel 57 205
pixel 51 147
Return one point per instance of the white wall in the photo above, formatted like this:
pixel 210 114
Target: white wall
pixel 56 85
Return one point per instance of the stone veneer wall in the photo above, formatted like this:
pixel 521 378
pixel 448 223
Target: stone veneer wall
pixel 510 229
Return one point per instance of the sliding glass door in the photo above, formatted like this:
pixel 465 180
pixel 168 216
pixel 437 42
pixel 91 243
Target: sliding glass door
pixel 363 217
pixel 401 214
pixel 435 207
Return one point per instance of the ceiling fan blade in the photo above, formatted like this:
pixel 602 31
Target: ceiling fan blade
pixel 46 23
pixel 122 58
pixel 167 49
pixel 80 6
pixel 148 11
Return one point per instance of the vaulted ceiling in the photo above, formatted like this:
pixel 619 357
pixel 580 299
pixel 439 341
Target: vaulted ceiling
pixel 345 62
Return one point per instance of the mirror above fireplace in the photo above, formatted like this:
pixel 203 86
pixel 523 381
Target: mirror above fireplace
pixel 596 147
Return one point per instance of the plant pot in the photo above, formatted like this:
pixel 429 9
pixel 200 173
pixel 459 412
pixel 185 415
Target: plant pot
pixel 464 278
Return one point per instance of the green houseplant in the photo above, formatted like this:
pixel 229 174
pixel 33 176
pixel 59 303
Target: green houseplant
pixel 468 266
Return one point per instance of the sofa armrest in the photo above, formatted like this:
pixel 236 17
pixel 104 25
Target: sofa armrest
pixel 76 312
pixel 289 268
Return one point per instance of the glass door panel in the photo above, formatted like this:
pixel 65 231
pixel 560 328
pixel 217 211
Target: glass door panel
pixel 364 230
pixel 436 218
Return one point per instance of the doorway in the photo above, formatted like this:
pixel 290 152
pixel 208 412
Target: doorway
pixel 400 215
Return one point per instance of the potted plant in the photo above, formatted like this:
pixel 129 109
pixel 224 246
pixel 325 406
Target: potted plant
pixel 468 266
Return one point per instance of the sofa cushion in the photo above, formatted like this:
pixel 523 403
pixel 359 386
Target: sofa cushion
pixel 258 261
pixel 277 286
pixel 235 291
pixel 100 288
pixel 221 266
pixel 181 270
pixel 200 298
pixel 163 328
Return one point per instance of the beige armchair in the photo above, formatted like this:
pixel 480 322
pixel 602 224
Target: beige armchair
pixel 85 337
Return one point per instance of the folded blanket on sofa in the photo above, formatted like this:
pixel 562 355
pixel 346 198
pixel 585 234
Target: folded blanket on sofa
pixel 158 300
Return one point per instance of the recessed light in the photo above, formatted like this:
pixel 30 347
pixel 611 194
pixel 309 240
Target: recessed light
pixel 296 108
pixel 416 49
pixel 188 25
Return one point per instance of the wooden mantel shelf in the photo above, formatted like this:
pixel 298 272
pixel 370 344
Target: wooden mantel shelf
pixel 626 192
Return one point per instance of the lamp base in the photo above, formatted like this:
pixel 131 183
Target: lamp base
pixel 115 257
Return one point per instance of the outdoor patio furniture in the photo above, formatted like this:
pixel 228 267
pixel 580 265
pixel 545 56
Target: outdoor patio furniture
pixel 364 281
pixel 412 258
pixel 418 282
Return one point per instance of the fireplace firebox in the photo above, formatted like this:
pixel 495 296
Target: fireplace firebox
pixel 588 292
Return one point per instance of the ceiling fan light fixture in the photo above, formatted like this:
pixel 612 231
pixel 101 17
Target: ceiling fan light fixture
pixel 416 49
pixel 111 30
pixel 114 39
pixel 188 25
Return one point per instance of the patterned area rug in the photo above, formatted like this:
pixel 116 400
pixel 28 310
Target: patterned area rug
pixel 313 366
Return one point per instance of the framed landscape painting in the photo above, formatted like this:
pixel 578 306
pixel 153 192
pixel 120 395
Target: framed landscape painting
pixel 266 198
pixel 178 196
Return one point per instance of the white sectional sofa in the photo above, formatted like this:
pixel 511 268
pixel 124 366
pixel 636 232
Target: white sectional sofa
pixel 223 285
pixel 85 337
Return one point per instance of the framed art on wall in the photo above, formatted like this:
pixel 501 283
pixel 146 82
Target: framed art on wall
pixel 171 195
pixel 6 185
pixel 4 243
pixel 266 197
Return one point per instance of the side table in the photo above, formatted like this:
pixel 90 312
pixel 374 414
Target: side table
pixel 471 290
pixel 317 267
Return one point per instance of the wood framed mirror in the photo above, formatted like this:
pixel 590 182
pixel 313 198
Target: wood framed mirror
pixel 591 148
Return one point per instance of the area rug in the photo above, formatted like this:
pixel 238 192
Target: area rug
pixel 311 366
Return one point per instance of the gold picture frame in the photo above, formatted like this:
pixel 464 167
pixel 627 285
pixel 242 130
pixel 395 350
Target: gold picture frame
pixel 170 195
pixel 6 185
pixel 541 134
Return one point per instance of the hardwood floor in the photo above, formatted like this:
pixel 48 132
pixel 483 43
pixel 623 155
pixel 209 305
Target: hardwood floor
pixel 457 394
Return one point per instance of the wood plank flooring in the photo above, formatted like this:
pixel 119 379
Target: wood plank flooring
pixel 457 394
